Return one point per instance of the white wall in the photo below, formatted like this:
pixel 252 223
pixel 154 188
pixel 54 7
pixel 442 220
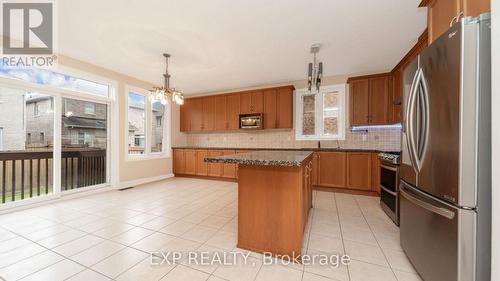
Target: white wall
pixel 495 263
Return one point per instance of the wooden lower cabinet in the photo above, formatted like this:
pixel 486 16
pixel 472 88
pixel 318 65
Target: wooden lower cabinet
pixel 229 170
pixel 201 165
pixel 332 169
pixel 215 169
pixel 179 162
pixel 375 173
pixel 190 165
pixel 340 170
pixel 359 171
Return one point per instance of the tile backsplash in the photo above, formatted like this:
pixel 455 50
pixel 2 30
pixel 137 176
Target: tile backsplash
pixel 388 139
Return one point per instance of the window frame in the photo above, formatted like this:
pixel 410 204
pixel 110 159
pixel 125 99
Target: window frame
pixel 166 147
pixel 319 114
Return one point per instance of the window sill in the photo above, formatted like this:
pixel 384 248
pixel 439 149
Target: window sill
pixel 152 156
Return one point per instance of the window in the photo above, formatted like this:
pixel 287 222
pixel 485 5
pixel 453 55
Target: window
pixel 146 125
pixel 137 123
pixel 54 79
pixel 36 109
pixel 89 108
pixel 158 111
pixel 321 115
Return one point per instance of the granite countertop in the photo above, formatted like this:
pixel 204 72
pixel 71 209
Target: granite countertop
pixel 287 149
pixel 264 158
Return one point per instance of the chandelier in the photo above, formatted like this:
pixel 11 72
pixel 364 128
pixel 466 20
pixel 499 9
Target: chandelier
pixel 315 72
pixel 163 94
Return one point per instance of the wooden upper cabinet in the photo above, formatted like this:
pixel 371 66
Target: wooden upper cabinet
pixel 270 109
pixel 257 101
pixel 332 169
pixel 284 107
pixel 278 108
pixel 221 114
pixel 233 111
pixel 441 13
pixel 369 99
pixel 252 102
pixel 245 102
pixel 379 100
pixel 359 102
pixel 359 171
pixel 196 114
pixel 208 113
pixel 185 119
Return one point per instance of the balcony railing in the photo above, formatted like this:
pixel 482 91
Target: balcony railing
pixel 26 174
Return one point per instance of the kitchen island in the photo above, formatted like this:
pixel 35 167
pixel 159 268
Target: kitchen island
pixel 274 199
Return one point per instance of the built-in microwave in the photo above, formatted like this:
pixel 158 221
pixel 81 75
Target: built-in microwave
pixel 251 121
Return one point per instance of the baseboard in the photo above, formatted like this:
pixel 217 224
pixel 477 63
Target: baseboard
pixel 347 191
pixel 132 183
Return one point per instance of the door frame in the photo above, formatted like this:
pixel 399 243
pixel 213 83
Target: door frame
pixel 112 151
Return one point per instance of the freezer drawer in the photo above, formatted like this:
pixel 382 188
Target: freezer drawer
pixel 438 238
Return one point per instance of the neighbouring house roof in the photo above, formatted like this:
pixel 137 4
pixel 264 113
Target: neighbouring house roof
pixel 84 123
pixel 132 128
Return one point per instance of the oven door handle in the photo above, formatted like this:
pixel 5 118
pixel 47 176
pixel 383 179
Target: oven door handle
pixel 394 169
pixel 388 191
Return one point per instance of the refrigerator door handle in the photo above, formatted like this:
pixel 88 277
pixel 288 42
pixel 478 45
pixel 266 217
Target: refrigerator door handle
pixel 437 210
pixel 410 113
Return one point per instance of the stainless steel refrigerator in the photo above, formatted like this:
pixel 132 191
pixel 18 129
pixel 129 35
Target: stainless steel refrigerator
pixel 445 174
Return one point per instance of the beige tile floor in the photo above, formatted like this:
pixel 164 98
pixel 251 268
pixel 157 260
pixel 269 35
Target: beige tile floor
pixel 110 235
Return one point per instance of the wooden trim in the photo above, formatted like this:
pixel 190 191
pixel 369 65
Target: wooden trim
pixel 376 75
pixel 205 177
pixel 424 37
pixel 292 87
pixel 426 3
pixel 347 191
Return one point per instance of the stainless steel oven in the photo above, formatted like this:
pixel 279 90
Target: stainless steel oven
pixel 389 180
pixel 251 121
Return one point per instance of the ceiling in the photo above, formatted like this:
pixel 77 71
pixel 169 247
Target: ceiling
pixel 228 44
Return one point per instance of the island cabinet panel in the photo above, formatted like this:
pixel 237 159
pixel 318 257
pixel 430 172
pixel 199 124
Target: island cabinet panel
pixel 221 113
pixel 179 163
pixel 270 209
pixel 201 165
pixel 190 162
pixel 359 102
pixel 215 169
pixel 332 169
pixel 208 109
pixel 359 171
pixel 315 168
pixel 229 170
pixel 233 111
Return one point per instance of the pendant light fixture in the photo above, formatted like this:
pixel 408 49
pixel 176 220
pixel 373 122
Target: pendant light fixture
pixel 163 94
pixel 315 71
